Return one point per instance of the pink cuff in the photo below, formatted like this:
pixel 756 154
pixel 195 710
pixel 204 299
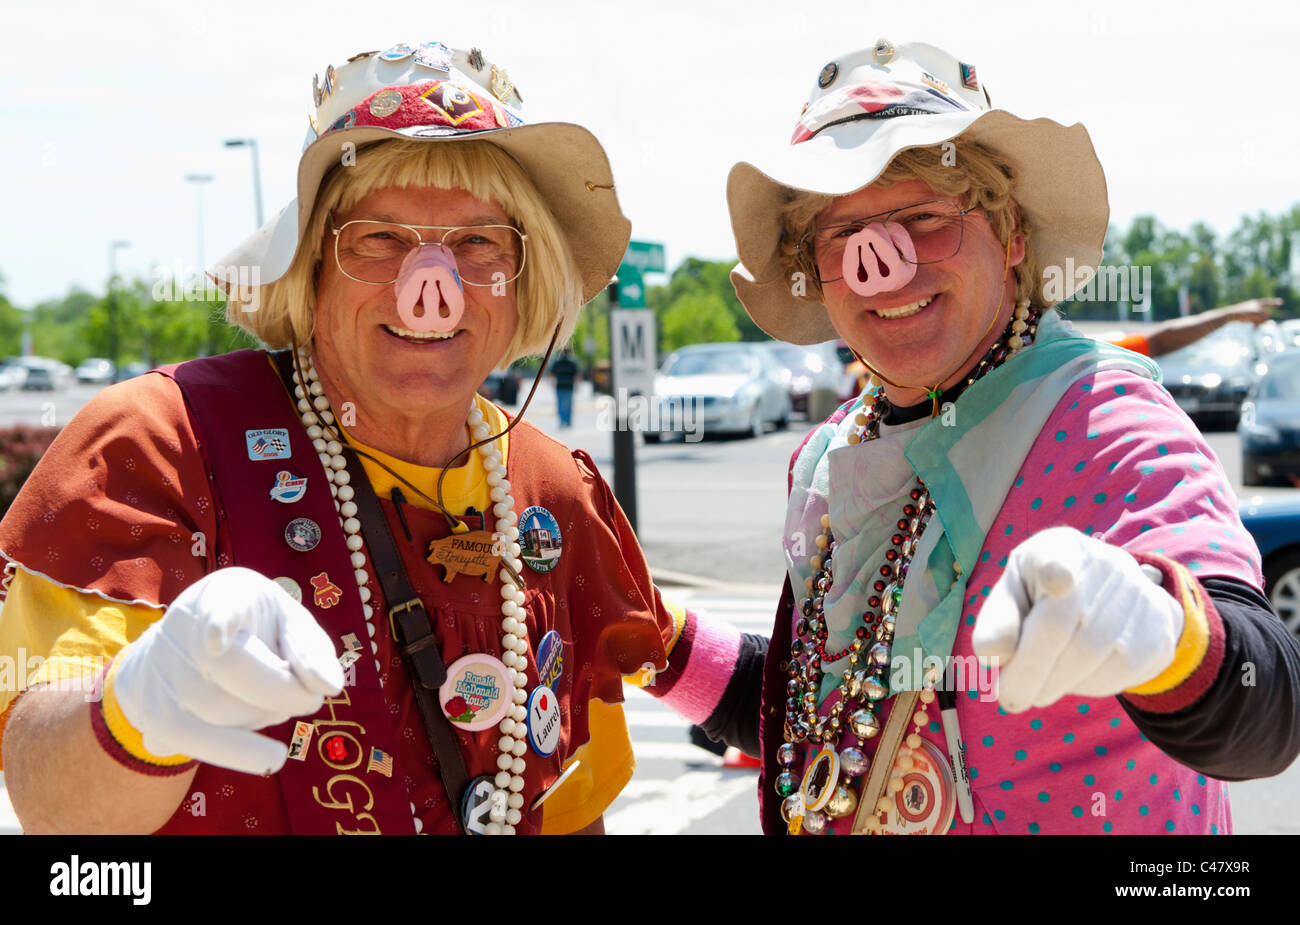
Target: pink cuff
pixel 699 668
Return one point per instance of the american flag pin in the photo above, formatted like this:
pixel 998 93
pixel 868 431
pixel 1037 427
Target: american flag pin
pixel 380 762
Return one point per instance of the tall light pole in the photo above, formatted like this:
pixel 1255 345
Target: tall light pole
pixel 114 345
pixel 198 179
pixel 251 143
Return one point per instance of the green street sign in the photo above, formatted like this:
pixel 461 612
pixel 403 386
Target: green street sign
pixel 645 256
pixel 642 257
pixel 631 287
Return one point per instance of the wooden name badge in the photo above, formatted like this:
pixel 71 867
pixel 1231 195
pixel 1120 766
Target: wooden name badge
pixel 465 554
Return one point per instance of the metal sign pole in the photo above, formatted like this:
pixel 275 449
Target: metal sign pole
pixel 624 439
pixel 632 360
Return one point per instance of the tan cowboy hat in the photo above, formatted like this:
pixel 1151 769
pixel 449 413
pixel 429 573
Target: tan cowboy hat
pixel 869 105
pixel 436 93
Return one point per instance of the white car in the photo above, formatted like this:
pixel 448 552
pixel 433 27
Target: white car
pixel 96 369
pixel 13 375
pixel 810 373
pixel 719 388
pixel 1290 333
pixel 45 373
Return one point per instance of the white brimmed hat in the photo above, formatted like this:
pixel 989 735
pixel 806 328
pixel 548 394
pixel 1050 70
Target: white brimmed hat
pixel 866 107
pixel 436 93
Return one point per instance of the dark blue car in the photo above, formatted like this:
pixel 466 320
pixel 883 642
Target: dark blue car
pixel 1275 525
pixel 1270 425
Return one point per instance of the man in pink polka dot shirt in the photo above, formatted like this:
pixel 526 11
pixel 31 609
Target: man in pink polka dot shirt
pixel 1015 507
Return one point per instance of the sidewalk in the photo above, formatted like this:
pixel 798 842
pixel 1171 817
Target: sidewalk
pixel 8 821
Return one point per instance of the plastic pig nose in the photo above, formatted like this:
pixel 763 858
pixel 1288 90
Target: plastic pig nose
pixel 879 258
pixel 429 293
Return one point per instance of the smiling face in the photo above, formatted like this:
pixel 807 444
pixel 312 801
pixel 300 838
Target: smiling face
pixel 938 324
pixel 359 346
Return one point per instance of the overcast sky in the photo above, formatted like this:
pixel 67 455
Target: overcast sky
pixel 107 107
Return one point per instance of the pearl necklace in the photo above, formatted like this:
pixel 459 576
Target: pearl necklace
pixel 507 800
pixel 864 686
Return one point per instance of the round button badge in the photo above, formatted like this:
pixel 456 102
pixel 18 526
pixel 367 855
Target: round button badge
pixel 385 103
pixel 302 534
pixel 478 691
pixel 539 539
pixel 550 659
pixel 926 803
pixel 291 587
pixel 476 805
pixel 544 721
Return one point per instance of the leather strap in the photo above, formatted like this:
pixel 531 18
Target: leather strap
pixel 412 634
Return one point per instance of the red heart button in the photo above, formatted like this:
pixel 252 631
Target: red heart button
pixel 541 701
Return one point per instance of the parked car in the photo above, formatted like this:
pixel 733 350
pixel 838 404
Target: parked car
pixel 45 373
pixel 96 369
pixel 1270 425
pixel 13 375
pixel 733 388
pixel 1275 525
pixel 1210 378
pixel 807 372
pixel 1270 338
pixel 130 371
pixel 502 386
pixel 1290 331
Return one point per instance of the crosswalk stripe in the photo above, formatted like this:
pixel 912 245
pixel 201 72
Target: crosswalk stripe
pixel 668 807
pixel 8 821
pixel 646 750
pixel 659 719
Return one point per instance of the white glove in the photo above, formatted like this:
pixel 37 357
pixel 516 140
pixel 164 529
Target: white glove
pixel 1073 615
pixel 233 653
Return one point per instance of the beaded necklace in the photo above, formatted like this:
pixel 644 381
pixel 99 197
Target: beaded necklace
pixel 864 685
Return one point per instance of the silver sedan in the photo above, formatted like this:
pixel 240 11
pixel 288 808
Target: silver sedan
pixel 720 388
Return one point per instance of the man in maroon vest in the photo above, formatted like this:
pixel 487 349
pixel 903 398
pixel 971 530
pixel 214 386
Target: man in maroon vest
pixel 330 590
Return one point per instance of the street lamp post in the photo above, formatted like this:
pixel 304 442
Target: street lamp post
pixel 198 179
pixel 251 143
pixel 114 344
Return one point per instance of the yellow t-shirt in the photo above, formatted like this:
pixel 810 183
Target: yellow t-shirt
pixel 49 632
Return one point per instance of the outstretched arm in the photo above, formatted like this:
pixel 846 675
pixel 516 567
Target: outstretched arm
pixel 1177 333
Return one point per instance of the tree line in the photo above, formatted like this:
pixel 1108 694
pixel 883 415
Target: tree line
pixel 1193 269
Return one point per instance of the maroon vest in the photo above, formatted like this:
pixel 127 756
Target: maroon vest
pixel 602 621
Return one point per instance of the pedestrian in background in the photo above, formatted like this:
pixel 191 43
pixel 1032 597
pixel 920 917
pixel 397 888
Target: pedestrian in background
pixel 565 370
